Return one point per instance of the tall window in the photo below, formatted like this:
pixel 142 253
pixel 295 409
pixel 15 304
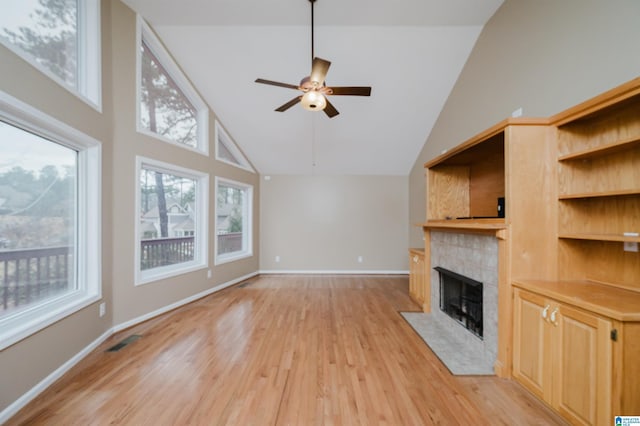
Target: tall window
pixel 171 229
pixel 59 37
pixel 49 220
pixel 233 220
pixel 169 107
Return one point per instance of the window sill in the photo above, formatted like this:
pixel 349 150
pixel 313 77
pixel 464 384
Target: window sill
pixel 157 274
pixel 17 327
pixel 232 257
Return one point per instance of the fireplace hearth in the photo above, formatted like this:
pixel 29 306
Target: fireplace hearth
pixel 461 299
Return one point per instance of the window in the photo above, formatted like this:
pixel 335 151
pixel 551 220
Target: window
pixel 61 38
pixel 233 220
pixel 171 231
pixel 228 152
pixel 49 220
pixel 169 107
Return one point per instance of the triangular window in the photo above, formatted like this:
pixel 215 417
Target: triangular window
pixel 228 152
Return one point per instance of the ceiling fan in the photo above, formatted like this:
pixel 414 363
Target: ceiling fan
pixel 314 87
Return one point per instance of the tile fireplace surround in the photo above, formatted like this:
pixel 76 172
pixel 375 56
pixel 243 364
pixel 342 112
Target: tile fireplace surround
pixel 475 256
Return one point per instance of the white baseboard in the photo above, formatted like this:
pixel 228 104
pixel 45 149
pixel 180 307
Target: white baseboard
pixel 330 272
pixel 164 309
pixel 27 397
pixel 18 404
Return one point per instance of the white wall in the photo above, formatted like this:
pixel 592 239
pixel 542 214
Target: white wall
pixel 323 223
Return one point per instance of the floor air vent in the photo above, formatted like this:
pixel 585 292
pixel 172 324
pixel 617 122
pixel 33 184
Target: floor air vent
pixel 244 284
pixel 123 343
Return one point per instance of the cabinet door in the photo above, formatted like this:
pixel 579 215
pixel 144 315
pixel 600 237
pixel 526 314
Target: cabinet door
pixel 583 366
pixel 530 342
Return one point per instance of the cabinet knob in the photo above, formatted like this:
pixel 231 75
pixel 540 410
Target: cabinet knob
pixel 552 318
pixel 545 311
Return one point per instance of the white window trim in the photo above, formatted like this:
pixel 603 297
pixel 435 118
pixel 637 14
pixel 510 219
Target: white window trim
pixel 89 56
pixel 144 31
pixel 201 253
pixel 221 136
pixel 24 323
pixel 247 223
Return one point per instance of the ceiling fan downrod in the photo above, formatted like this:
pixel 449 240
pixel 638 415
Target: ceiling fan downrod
pixel 312 31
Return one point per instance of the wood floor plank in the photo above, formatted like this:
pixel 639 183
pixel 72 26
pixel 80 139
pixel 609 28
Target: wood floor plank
pixel 282 350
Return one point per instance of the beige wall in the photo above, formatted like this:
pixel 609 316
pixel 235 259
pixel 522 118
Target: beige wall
pixel 24 364
pixel 543 56
pixel 323 223
pixel 132 301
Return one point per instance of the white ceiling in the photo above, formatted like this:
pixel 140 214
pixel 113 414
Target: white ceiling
pixel 410 51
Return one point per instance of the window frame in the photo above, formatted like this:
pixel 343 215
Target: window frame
pixel 144 32
pixel 201 246
pixel 17 326
pixel 89 39
pixel 247 221
pixel 222 137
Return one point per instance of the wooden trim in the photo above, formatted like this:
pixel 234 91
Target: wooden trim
pixel 606 300
pixel 482 136
pixel 617 94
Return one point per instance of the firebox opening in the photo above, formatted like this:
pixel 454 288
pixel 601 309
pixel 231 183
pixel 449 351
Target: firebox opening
pixel 461 299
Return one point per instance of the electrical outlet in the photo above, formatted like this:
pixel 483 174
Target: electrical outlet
pixel 102 309
pixel 517 113
pixel 209 273
pixel 360 259
pixel 277 259
pixel 631 246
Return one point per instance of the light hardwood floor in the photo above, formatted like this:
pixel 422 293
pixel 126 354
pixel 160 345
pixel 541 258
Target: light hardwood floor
pixel 281 350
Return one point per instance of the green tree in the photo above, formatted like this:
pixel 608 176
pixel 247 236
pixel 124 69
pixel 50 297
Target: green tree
pixel 51 38
pixel 166 110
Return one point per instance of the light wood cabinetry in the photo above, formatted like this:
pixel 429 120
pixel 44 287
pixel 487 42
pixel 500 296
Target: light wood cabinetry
pixel 599 188
pixel 417 273
pixel 463 188
pixel 569 268
pixel 573 346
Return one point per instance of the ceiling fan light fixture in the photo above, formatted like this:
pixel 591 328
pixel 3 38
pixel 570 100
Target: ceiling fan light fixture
pixel 313 101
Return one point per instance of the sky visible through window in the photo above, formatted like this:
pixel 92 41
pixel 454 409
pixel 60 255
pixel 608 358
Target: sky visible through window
pixel 45 30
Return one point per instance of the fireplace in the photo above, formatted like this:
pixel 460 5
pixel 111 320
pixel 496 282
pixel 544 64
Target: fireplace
pixel 461 299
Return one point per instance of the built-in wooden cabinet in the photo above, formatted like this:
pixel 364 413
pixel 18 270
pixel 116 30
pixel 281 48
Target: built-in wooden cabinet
pixel 568 261
pixel 465 186
pixel 574 343
pixel 575 336
pixel 599 188
pixel 563 355
pixel 417 285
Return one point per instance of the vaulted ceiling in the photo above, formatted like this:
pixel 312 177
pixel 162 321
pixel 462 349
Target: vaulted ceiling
pixel 410 51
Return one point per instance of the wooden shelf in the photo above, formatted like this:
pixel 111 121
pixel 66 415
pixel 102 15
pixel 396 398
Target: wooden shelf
pixel 621 193
pixel 602 150
pixel 600 237
pixel 490 226
pixel 612 302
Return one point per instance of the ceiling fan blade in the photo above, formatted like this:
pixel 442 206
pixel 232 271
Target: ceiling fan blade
pixel 330 110
pixel 319 70
pixel 351 91
pixel 289 104
pixel 276 83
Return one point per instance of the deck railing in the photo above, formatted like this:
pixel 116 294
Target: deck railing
pixel 29 275
pixel 230 242
pixel 165 251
